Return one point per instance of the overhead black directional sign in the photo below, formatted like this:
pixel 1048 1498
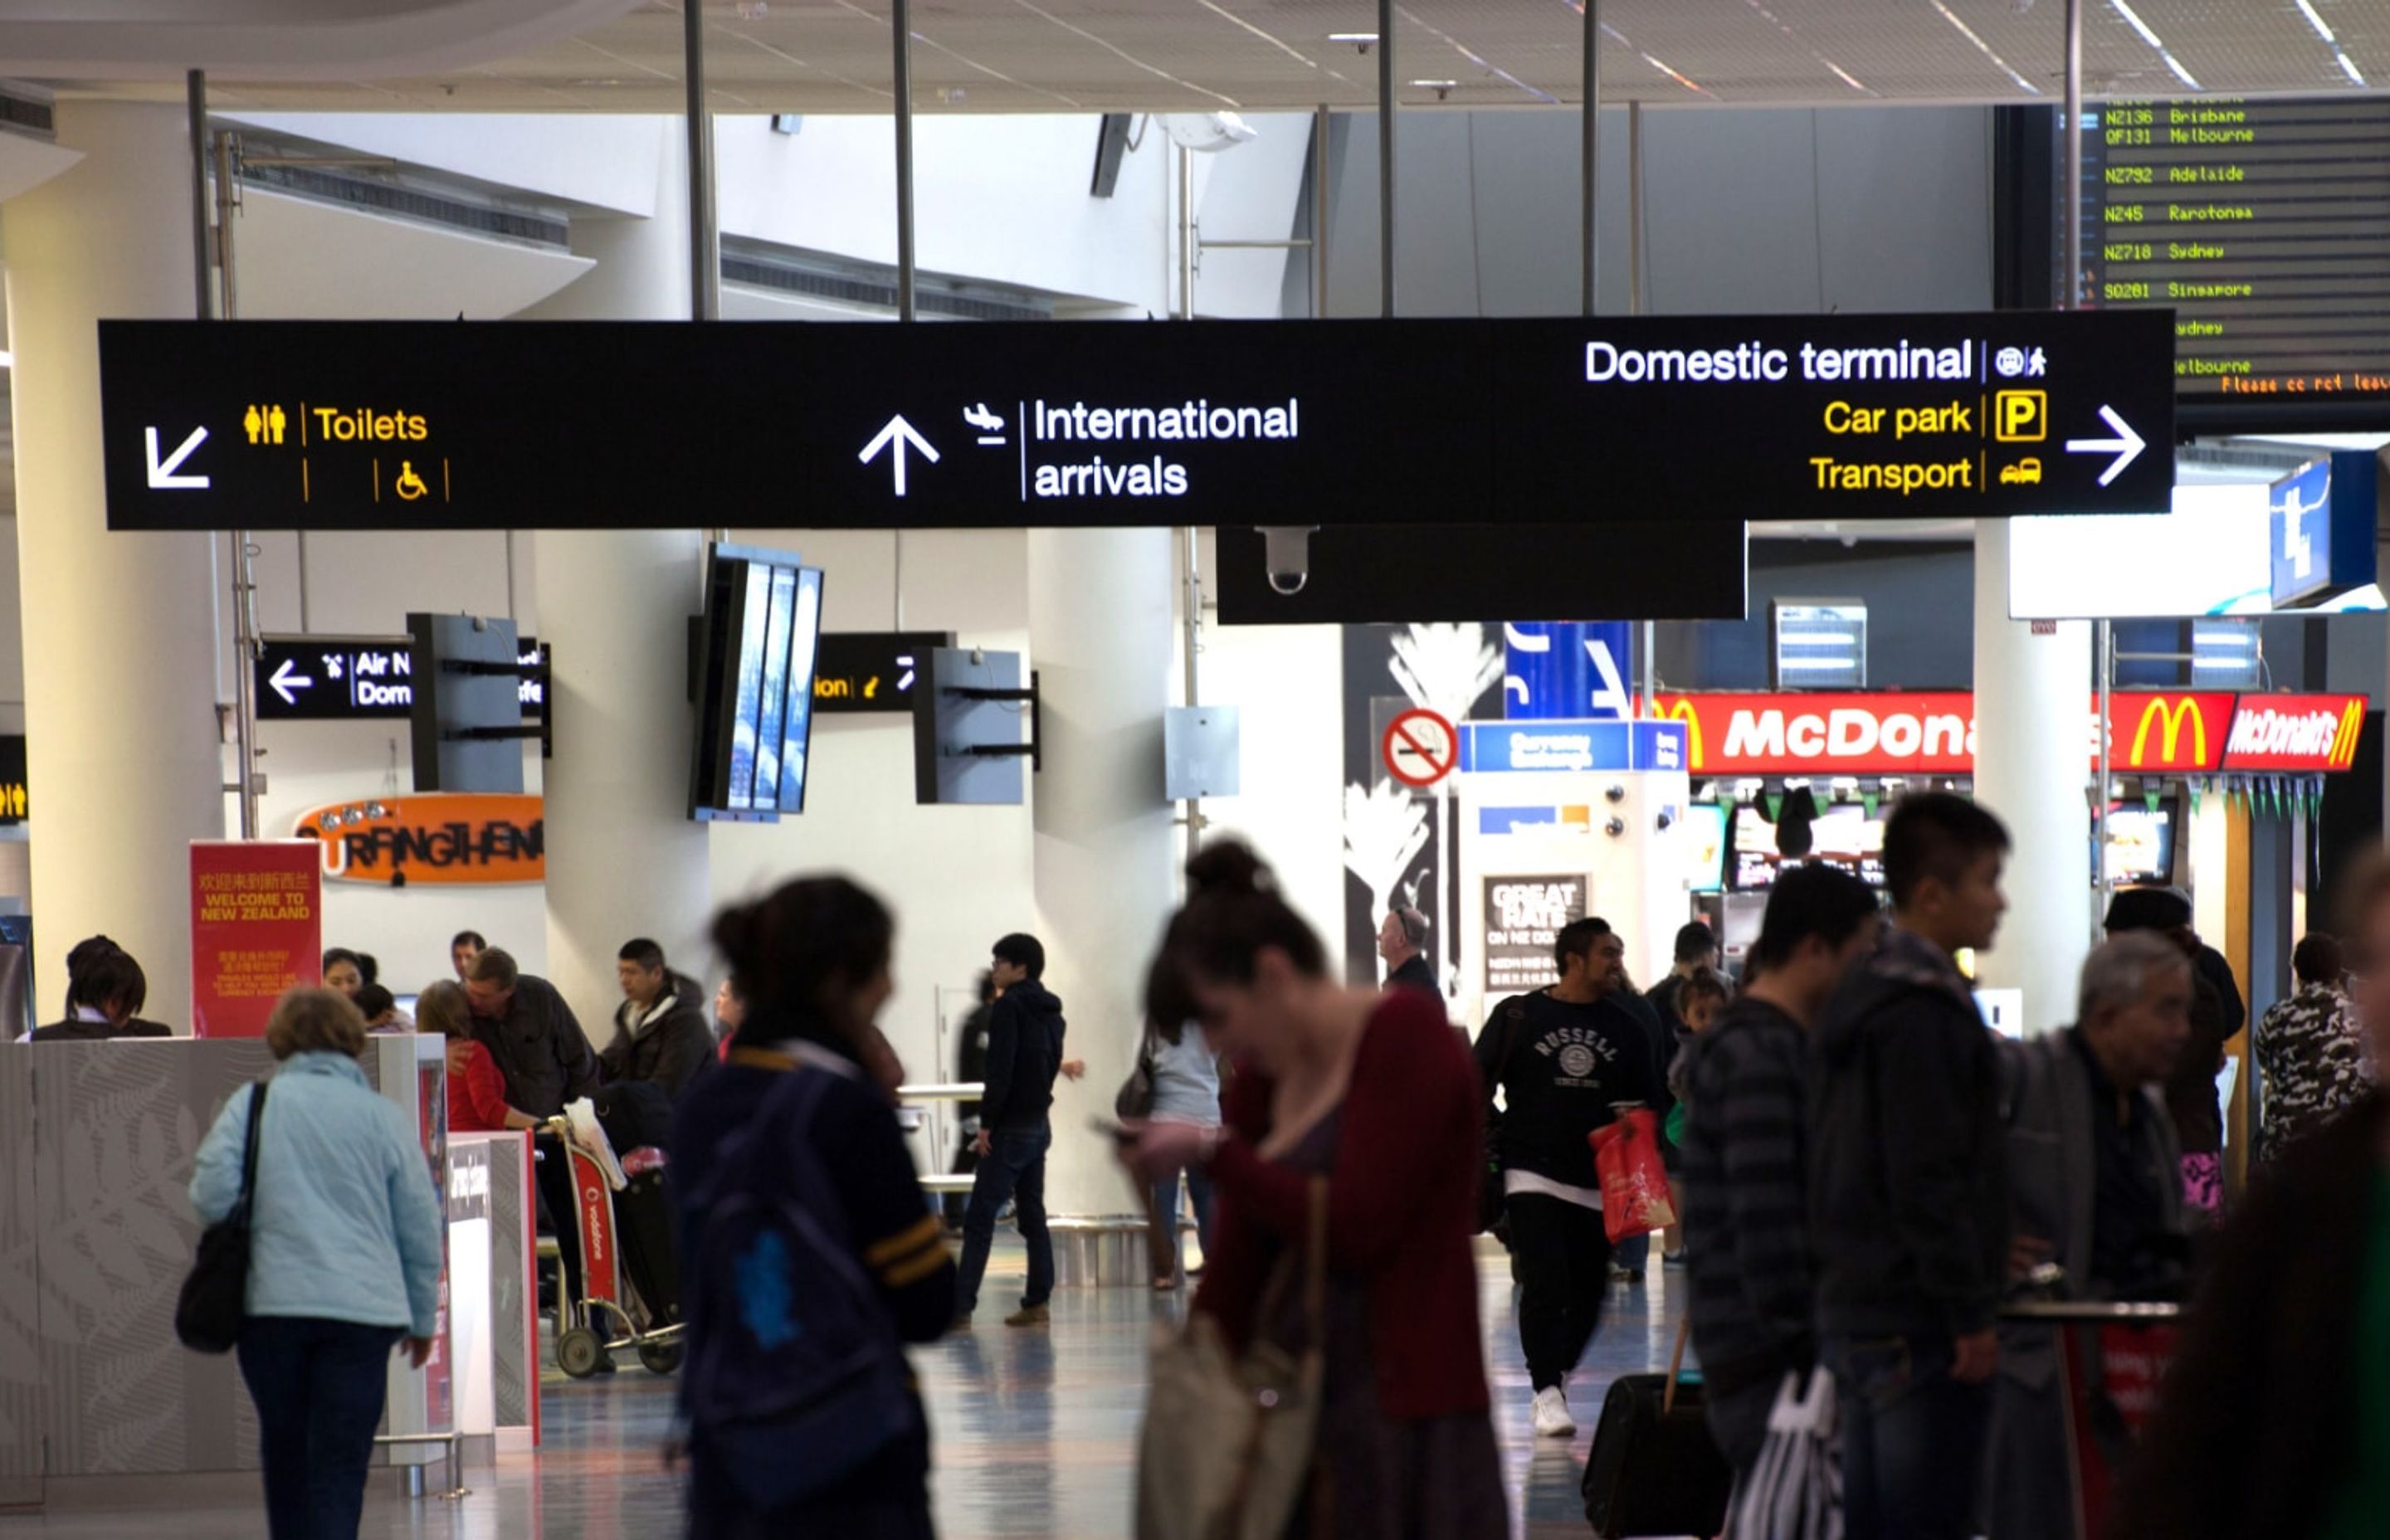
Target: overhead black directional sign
pixel 318 678
pixel 420 425
pixel 872 671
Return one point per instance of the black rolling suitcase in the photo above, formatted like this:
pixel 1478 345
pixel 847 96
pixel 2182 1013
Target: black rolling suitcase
pixel 642 1228
pixel 1654 1469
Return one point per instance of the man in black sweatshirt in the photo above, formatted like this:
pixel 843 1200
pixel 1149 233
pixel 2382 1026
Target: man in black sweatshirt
pixel 1907 1193
pixel 1024 1053
pixel 1565 1059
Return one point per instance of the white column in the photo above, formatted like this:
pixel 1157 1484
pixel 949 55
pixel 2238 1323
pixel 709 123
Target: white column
pixel 2033 744
pixel 623 859
pixel 1103 857
pixel 121 742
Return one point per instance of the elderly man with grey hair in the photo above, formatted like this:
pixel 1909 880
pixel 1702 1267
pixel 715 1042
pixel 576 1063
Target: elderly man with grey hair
pixel 2093 1159
pixel 1402 943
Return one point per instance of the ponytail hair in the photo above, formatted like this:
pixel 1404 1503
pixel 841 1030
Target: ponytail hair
pixel 791 952
pixel 1233 912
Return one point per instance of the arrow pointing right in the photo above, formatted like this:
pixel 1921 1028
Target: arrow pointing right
pixel 2126 446
pixel 161 472
pixel 899 433
pixel 286 683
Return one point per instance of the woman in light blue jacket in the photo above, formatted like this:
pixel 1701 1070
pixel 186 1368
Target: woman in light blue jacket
pixel 345 1259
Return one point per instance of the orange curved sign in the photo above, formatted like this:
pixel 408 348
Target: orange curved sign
pixel 447 838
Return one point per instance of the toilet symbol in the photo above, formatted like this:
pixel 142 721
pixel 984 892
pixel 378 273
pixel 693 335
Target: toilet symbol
pixel 253 422
pixel 409 485
pixel 276 422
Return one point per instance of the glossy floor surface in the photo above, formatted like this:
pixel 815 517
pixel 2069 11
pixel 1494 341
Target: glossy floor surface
pixel 1036 1436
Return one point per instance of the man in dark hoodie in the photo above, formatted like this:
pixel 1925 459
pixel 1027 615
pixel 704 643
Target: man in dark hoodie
pixel 1907 1192
pixel 1024 1053
pixel 660 1030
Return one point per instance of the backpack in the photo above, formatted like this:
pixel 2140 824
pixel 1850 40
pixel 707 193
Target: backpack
pixel 795 1377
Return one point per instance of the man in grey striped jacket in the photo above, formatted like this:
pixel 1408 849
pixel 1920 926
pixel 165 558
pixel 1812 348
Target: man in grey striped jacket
pixel 1744 1160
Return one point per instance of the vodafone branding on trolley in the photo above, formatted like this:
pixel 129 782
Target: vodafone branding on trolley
pixel 1934 733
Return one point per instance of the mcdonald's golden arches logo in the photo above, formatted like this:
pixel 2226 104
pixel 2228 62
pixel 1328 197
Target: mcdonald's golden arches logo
pixel 2344 741
pixel 2172 715
pixel 1681 710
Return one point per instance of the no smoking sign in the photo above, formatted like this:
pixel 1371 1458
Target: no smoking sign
pixel 1419 748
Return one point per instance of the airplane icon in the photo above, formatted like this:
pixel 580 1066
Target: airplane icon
pixel 990 426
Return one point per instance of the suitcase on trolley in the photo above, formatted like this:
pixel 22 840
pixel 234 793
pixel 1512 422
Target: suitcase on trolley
pixel 643 1226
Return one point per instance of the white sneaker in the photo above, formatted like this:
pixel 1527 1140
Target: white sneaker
pixel 1553 1419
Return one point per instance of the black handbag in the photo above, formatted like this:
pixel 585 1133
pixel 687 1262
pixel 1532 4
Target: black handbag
pixel 216 1296
pixel 1654 1468
pixel 1134 1102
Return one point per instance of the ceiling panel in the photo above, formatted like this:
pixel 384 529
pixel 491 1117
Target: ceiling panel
pixel 1046 55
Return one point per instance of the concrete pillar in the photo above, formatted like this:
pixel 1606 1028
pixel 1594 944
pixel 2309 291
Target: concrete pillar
pixel 2032 693
pixel 623 859
pixel 1103 856
pixel 120 630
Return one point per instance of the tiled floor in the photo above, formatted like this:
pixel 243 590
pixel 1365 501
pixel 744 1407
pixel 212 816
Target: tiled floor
pixel 1036 1436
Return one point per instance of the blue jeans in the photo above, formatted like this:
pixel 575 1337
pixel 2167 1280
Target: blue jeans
pixel 1166 1198
pixel 1913 1439
pixel 319 1386
pixel 1013 1168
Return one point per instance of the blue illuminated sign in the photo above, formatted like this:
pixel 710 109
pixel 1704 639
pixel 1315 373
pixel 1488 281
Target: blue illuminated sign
pixel 1579 746
pixel 2321 528
pixel 1572 671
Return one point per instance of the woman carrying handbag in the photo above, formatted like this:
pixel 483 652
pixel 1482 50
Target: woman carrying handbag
pixel 1331 1381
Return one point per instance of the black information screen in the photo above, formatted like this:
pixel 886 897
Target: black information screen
pixel 2264 225
pixel 629 425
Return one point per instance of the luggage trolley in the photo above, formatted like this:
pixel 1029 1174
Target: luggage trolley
pixel 628 1300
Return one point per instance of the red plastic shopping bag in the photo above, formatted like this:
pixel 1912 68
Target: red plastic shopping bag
pixel 1635 1199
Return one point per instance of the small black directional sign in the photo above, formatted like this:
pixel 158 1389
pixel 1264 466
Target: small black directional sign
pixel 872 671
pixel 630 424
pixel 318 678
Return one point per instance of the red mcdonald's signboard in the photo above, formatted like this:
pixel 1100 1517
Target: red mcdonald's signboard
pixel 1932 732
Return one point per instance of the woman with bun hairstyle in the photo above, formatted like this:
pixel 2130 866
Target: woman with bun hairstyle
pixel 811 967
pixel 1375 1092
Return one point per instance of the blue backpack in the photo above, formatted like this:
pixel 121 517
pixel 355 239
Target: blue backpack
pixel 796 1377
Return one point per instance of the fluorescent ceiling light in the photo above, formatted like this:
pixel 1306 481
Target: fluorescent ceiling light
pixel 2316 22
pixel 1435 84
pixel 1818 638
pixel 1352 37
pixel 1842 664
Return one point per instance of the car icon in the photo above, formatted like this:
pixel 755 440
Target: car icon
pixel 2024 473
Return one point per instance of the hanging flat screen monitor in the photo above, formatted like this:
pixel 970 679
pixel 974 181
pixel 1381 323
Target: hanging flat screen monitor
pixel 1843 834
pixel 2141 844
pixel 758 643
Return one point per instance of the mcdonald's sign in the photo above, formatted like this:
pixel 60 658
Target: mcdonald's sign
pixel 2295 732
pixel 1892 733
pixel 2165 731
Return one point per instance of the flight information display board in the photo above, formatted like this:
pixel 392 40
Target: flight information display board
pixel 650 424
pixel 2264 225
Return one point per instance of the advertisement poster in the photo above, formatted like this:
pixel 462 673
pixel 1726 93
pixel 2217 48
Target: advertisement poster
pixel 1523 918
pixel 431 1110
pixel 257 929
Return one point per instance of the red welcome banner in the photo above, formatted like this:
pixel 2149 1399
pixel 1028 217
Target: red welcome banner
pixel 257 929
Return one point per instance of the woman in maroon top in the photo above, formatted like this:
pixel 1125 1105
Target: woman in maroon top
pixel 1376 1091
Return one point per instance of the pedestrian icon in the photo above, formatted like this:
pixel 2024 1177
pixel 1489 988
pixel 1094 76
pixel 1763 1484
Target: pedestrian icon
pixel 264 425
pixel 409 485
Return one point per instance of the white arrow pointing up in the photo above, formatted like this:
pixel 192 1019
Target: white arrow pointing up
pixel 2126 446
pixel 161 472
pixel 898 432
pixel 286 684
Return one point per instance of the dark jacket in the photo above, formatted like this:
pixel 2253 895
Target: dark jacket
pixel 2216 1017
pixel 970 1063
pixel 2255 1434
pixel 667 1043
pixel 1417 972
pixel 97 1032
pixel 1560 1067
pixel 540 1048
pixel 1024 1053
pixel 1907 1159
pixel 1747 1198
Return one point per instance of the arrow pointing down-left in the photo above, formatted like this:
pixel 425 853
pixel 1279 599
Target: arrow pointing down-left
pixel 893 438
pixel 161 472
pixel 286 683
